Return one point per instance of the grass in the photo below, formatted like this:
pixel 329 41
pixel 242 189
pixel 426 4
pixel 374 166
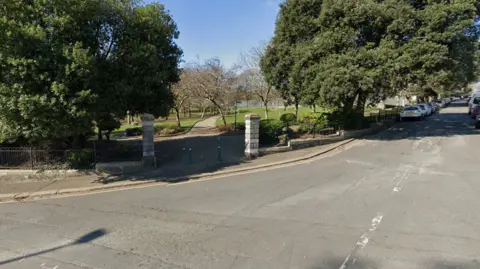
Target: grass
pixel 186 124
pixel 273 113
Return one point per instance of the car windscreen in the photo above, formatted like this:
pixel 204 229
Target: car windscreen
pixel 422 107
pixel 476 101
pixel 412 108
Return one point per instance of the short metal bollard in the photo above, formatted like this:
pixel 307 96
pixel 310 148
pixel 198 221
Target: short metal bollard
pixel 190 160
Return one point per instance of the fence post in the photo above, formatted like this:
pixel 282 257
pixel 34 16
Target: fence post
pixel 31 158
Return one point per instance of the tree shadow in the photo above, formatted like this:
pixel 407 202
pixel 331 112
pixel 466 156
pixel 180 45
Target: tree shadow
pixel 444 124
pixel 81 240
pixel 184 157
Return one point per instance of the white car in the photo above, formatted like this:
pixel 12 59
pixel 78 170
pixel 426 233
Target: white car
pixel 425 109
pixel 412 112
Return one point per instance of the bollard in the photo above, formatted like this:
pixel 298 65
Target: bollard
pixel 219 154
pixel 190 161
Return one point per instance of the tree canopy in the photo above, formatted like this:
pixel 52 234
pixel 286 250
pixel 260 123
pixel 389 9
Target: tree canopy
pixel 345 53
pixel 68 65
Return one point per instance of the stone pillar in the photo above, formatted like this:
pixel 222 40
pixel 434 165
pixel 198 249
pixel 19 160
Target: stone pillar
pixel 252 124
pixel 148 143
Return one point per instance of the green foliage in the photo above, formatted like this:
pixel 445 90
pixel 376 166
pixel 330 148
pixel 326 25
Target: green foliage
pixel 313 122
pixel 288 119
pixel 269 131
pixel 343 53
pixel 65 64
pixel 80 159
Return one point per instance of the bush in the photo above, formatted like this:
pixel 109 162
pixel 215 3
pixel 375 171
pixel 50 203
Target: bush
pixel 240 126
pixel 269 131
pixel 171 129
pixel 136 131
pixel 80 159
pixel 313 122
pixel 288 119
pixel 157 129
pixel 222 128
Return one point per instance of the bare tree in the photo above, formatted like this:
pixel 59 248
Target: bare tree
pixel 216 84
pixel 182 92
pixel 254 78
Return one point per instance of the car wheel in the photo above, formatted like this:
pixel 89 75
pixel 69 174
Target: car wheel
pixel 477 125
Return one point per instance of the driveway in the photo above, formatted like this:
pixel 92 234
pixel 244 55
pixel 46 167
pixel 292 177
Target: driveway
pixel 406 198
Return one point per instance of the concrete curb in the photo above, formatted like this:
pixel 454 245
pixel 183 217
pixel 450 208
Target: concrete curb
pixel 11 197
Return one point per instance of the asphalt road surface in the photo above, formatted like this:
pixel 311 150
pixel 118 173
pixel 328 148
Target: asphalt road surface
pixel 406 198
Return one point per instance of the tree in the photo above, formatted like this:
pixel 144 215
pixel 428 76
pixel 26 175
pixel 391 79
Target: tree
pixel 215 84
pixel 181 92
pixel 255 81
pixel 66 65
pixel 346 52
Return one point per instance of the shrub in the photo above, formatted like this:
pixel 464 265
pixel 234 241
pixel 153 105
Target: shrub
pixel 269 131
pixel 157 129
pixel 288 119
pixel 134 131
pixel 313 122
pixel 240 126
pixel 79 159
pixel 222 128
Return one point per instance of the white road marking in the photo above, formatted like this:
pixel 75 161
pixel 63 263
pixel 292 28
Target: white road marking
pixel 362 242
pixel 360 162
pixel 44 266
pixel 400 178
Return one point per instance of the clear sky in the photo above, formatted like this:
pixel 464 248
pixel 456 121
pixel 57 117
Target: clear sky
pixel 221 28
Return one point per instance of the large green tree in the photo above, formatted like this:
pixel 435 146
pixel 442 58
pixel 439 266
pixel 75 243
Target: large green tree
pixel 68 65
pixel 347 52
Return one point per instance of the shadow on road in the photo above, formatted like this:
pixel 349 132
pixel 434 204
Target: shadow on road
pixel 188 156
pixel 81 240
pixel 451 121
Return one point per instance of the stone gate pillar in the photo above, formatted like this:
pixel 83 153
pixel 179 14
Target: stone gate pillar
pixel 148 142
pixel 252 125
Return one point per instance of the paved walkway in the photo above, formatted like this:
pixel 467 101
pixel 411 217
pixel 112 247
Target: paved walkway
pixel 167 173
pixel 205 126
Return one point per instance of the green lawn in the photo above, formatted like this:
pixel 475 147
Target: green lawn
pixel 273 113
pixel 186 123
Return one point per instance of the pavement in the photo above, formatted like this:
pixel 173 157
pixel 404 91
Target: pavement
pixel 405 198
pixel 21 190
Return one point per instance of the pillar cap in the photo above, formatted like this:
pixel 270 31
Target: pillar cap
pixel 252 116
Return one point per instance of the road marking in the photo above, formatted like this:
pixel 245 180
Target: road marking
pixel 362 242
pixel 360 163
pixel 400 178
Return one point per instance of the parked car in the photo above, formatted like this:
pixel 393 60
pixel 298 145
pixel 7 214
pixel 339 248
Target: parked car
pixel 441 103
pixel 412 112
pixel 474 101
pixel 428 110
pixel 423 109
pixel 474 113
pixel 436 107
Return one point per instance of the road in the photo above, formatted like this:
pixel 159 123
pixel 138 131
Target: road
pixel 406 198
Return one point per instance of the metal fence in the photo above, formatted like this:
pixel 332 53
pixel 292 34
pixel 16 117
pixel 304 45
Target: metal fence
pixel 34 158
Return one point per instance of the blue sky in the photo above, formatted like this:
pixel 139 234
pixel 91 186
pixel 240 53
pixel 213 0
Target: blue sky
pixel 221 28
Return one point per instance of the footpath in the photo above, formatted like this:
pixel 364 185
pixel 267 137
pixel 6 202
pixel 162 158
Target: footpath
pixel 25 190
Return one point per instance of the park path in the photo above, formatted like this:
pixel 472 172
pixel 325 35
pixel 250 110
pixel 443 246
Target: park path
pixel 205 126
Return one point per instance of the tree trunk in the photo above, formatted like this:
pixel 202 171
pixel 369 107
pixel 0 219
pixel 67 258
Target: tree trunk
pixel 100 136
pixel 296 109
pixel 314 108
pixel 177 114
pixel 107 134
pixel 189 112
pixel 184 112
pixel 203 112
pixel 265 104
